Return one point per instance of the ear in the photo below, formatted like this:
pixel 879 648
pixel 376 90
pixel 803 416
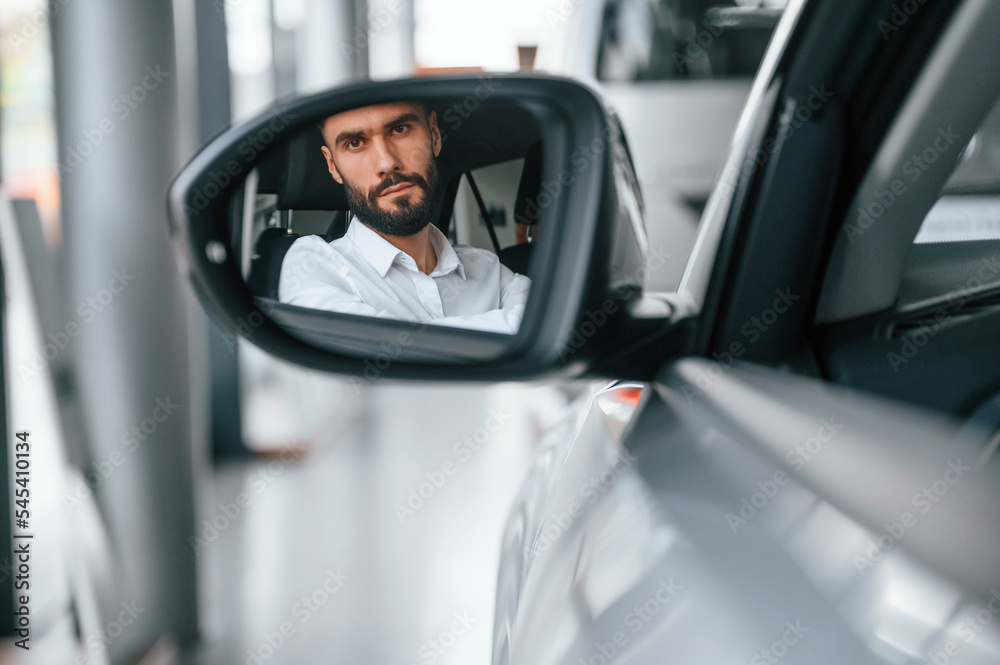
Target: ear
pixel 331 166
pixel 432 122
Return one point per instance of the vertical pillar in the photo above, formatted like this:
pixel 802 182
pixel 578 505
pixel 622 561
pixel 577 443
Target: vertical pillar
pixel 390 37
pixel 139 350
pixel 332 46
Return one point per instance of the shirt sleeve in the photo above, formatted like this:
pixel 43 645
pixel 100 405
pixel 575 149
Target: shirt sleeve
pixel 330 298
pixel 505 321
pixel 513 294
pixel 308 280
pixel 513 288
pixel 311 277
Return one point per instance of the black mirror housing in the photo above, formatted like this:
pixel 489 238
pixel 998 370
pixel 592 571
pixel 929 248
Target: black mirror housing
pixel 586 267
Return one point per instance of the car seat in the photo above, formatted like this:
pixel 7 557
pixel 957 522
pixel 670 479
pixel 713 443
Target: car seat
pixel 297 174
pixel 526 210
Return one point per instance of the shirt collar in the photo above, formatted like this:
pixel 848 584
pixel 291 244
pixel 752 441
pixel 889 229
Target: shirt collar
pixel 447 257
pixel 382 254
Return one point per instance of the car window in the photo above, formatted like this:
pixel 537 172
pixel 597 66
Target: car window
pixel 969 205
pixel 662 40
pixel 497 185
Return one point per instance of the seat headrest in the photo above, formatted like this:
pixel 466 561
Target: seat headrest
pixel 298 174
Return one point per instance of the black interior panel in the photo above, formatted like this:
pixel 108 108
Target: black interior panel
pixel 939 346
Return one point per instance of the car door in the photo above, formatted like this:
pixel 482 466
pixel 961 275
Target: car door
pixel 763 503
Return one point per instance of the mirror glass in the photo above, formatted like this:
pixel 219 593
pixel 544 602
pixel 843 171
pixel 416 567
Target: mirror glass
pixel 422 211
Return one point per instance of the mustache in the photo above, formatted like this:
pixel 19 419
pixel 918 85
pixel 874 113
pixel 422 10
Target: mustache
pixel 395 179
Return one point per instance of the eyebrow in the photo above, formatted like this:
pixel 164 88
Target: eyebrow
pixel 359 134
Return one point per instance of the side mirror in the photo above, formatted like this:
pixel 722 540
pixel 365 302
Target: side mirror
pixel 288 226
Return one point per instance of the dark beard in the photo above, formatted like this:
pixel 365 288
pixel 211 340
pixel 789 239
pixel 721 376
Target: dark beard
pixel 406 218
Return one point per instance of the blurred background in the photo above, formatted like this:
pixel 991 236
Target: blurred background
pixel 193 496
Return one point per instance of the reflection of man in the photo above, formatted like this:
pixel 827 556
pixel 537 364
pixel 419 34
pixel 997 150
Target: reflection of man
pixel 395 263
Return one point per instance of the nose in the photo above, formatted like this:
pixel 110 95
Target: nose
pixel 386 159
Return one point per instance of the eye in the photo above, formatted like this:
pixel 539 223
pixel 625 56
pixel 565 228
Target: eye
pixel 354 144
pixel 400 129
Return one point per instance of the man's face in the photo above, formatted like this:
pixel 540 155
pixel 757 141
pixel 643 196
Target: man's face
pixel 384 157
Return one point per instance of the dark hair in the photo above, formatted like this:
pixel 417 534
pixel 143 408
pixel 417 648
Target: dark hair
pixel 322 121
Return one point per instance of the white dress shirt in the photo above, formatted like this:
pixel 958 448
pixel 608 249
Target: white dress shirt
pixel 363 273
